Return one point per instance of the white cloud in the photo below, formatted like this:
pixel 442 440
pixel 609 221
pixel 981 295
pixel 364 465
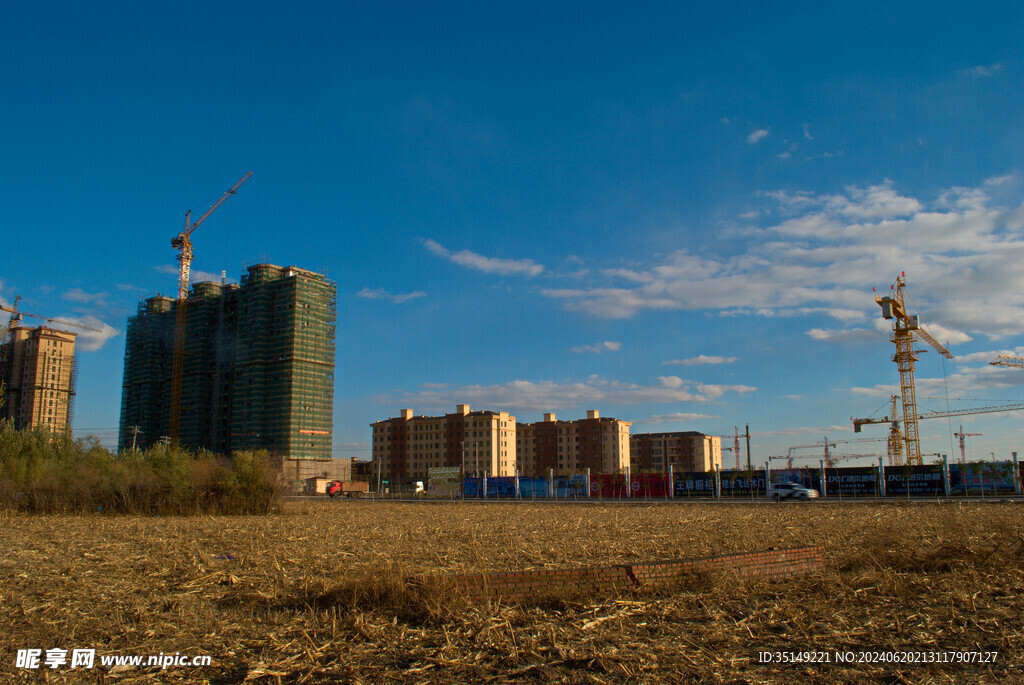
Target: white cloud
pixel 489 265
pixel 986 357
pixel 807 132
pixel 968 381
pixel 700 359
pixel 194 275
pixel 983 70
pixel 381 294
pixel 757 136
pixel 963 254
pixel 607 346
pixel 199 276
pixel 405 297
pixel 551 396
pixel 82 297
pixel 90 341
pixel 673 418
pixel 1000 180
pixel 436 248
pixel 947 336
pixel 851 336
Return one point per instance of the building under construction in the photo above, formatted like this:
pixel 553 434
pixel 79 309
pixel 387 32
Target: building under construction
pixel 257 368
pixel 37 371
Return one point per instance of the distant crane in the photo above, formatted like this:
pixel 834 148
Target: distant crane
pixel 963 451
pixel 736 446
pixel 893 420
pixel 183 243
pixel 5 336
pixel 894 447
pixel 826 444
pixel 16 315
pixel 905 327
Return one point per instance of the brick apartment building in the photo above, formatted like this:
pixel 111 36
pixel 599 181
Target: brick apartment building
pixel 405 447
pixel 683 450
pixel 597 443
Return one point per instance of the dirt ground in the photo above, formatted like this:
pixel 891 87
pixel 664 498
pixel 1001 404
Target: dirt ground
pixel 316 594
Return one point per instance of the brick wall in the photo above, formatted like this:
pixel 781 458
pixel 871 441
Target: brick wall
pixel 770 564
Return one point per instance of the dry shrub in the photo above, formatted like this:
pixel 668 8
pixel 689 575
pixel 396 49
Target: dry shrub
pixel 42 472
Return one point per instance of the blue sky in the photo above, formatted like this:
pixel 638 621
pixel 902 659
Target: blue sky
pixel 672 213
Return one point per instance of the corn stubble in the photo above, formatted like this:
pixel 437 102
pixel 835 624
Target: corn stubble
pixel 318 593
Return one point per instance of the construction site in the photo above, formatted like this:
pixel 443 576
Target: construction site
pixel 38 371
pixel 257 369
pixel 226 367
pixel 229 366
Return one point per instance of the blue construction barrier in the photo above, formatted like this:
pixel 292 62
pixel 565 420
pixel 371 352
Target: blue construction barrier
pixel 928 480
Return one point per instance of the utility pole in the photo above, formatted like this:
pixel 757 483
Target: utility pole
pixel 749 465
pixel 135 435
pixel 462 472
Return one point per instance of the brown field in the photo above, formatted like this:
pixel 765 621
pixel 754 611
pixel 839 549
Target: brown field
pixel 315 594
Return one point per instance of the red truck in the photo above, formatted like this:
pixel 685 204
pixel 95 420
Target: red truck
pixel 347 488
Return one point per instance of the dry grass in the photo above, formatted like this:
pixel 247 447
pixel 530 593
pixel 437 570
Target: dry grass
pixel 316 594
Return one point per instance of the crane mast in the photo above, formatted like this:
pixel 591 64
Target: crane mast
pixel 963 447
pixel 183 243
pixel 905 327
pixel 894 446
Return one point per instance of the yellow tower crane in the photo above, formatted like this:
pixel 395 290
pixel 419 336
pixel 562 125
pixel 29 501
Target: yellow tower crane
pixel 16 315
pixel 183 244
pixel 905 327
pixel 1007 360
pixel 895 437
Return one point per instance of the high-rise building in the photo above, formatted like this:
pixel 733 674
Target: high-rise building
pixel 684 451
pixel 257 370
pixel 405 447
pixel 600 444
pixel 37 368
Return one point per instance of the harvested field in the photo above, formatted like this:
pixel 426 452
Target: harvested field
pixel 316 594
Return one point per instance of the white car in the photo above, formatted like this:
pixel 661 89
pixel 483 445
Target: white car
pixel 780 491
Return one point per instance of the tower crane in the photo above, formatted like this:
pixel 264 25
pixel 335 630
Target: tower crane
pixel 826 444
pixel 905 327
pixel 894 448
pixel 183 243
pixel 894 421
pixel 963 450
pixel 1007 360
pixel 735 449
pixel 7 356
pixel 16 315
